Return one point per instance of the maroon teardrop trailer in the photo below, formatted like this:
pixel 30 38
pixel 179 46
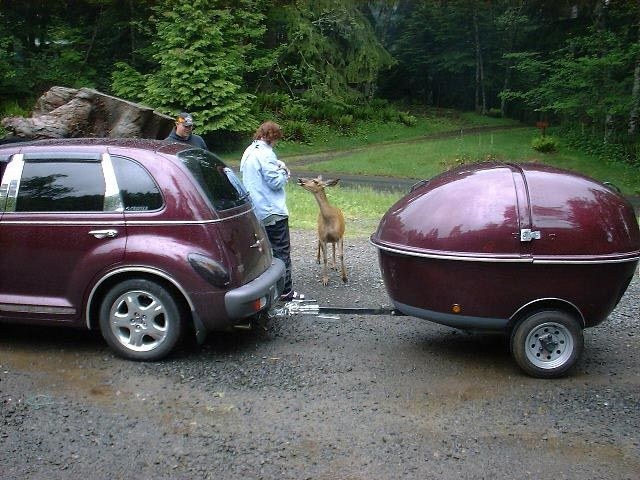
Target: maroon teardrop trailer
pixel 537 252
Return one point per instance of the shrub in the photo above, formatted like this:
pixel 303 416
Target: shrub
pixel 494 113
pixel 345 122
pixel 294 111
pixel 407 119
pixel 388 114
pixel 11 108
pixel 544 144
pixel 273 103
pixel 363 112
pixel 296 131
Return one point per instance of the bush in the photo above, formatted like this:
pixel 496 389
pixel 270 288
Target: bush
pixel 363 111
pixel 296 131
pixel 623 149
pixel 544 144
pixel 346 121
pixel 127 83
pixel 407 119
pixel 273 102
pixel 294 111
pixel 388 114
pixel 11 108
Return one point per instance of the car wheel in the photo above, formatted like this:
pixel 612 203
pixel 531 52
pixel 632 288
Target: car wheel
pixel 140 320
pixel 547 343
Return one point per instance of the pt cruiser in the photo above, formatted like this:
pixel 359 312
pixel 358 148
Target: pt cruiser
pixel 142 239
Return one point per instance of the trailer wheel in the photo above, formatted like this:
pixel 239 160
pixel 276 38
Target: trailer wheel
pixel 546 344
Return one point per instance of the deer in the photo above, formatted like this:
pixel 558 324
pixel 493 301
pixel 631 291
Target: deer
pixel 330 224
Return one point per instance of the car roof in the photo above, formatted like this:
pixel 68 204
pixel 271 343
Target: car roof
pixel 160 146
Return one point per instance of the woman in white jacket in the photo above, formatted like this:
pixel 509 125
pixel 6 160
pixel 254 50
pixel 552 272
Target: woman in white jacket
pixel 265 177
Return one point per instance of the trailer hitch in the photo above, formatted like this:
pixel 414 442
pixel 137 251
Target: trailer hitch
pixel 311 307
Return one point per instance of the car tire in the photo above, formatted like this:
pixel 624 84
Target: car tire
pixel 140 320
pixel 546 344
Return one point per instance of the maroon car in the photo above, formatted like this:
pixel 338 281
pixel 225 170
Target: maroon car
pixel 534 251
pixel 143 239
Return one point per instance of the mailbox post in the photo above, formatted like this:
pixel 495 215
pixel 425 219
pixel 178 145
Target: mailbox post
pixel 542 126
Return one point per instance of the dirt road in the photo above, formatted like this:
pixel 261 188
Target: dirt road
pixel 353 397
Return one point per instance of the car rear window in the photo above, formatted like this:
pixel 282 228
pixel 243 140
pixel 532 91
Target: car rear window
pixel 139 192
pixel 220 184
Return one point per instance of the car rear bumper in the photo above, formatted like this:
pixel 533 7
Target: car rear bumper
pixel 257 295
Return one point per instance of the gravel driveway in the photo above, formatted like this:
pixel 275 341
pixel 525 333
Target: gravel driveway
pixel 353 397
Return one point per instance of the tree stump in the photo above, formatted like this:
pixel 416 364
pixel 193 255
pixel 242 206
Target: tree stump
pixel 69 113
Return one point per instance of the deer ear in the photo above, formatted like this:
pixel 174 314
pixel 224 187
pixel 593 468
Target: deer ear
pixel 331 183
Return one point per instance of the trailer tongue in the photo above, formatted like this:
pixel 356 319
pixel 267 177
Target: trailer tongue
pixel 311 307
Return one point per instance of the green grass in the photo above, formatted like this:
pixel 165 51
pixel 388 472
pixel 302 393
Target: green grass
pixel 396 150
pixel 362 208
pixel 427 158
pixel 327 138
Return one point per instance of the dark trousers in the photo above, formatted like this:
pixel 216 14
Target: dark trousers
pixel 278 234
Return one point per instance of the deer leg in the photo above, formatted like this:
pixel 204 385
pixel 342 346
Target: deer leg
pixel 325 277
pixel 334 266
pixel 341 255
pixel 318 255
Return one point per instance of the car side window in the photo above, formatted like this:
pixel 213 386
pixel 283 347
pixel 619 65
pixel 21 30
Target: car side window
pixel 138 189
pixel 61 186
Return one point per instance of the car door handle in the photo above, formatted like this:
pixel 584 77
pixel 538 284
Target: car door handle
pixel 103 233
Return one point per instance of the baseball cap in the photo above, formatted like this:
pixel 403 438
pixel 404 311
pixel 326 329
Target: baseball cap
pixel 185 119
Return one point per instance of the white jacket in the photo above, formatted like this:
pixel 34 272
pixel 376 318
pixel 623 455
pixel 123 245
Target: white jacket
pixel 265 177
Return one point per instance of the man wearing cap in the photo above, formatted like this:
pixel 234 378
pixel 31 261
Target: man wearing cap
pixel 183 132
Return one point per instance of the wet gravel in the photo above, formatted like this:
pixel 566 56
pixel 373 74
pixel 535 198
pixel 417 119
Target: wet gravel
pixel 341 397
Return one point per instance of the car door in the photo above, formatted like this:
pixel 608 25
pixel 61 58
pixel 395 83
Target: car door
pixel 62 226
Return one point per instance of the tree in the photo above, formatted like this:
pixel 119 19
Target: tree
pixel 588 80
pixel 635 91
pixel 442 48
pixel 330 48
pixel 203 50
pixel 75 44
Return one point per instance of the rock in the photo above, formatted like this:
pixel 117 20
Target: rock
pixel 69 113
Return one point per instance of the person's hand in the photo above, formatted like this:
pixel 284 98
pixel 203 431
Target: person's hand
pixel 282 166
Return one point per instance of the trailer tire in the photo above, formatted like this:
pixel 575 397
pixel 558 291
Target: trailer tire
pixel 547 343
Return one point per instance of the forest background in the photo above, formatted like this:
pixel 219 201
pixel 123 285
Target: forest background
pixel 332 65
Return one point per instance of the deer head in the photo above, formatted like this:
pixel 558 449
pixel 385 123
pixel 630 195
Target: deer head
pixel 315 185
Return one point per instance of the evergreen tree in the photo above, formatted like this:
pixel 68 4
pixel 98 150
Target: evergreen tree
pixel 203 49
pixel 330 48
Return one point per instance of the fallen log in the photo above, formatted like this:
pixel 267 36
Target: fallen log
pixel 70 113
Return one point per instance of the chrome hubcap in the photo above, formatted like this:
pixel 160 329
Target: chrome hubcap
pixel 138 320
pixel 549 345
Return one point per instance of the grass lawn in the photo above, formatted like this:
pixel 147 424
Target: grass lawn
pixel 427 158
pixel 396 150
pixel 362 208
pixel 327 138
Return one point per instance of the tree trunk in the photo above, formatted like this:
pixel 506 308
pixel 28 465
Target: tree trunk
pixel 635 92
pixel 512 35
pixel 480 90
pixel 66 112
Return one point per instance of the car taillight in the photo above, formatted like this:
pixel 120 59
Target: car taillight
pixel 209 269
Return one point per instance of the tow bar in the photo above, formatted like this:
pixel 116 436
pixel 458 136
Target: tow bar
pixel 311 307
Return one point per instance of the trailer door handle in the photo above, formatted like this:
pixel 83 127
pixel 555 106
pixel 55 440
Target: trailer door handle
pixel 103 233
